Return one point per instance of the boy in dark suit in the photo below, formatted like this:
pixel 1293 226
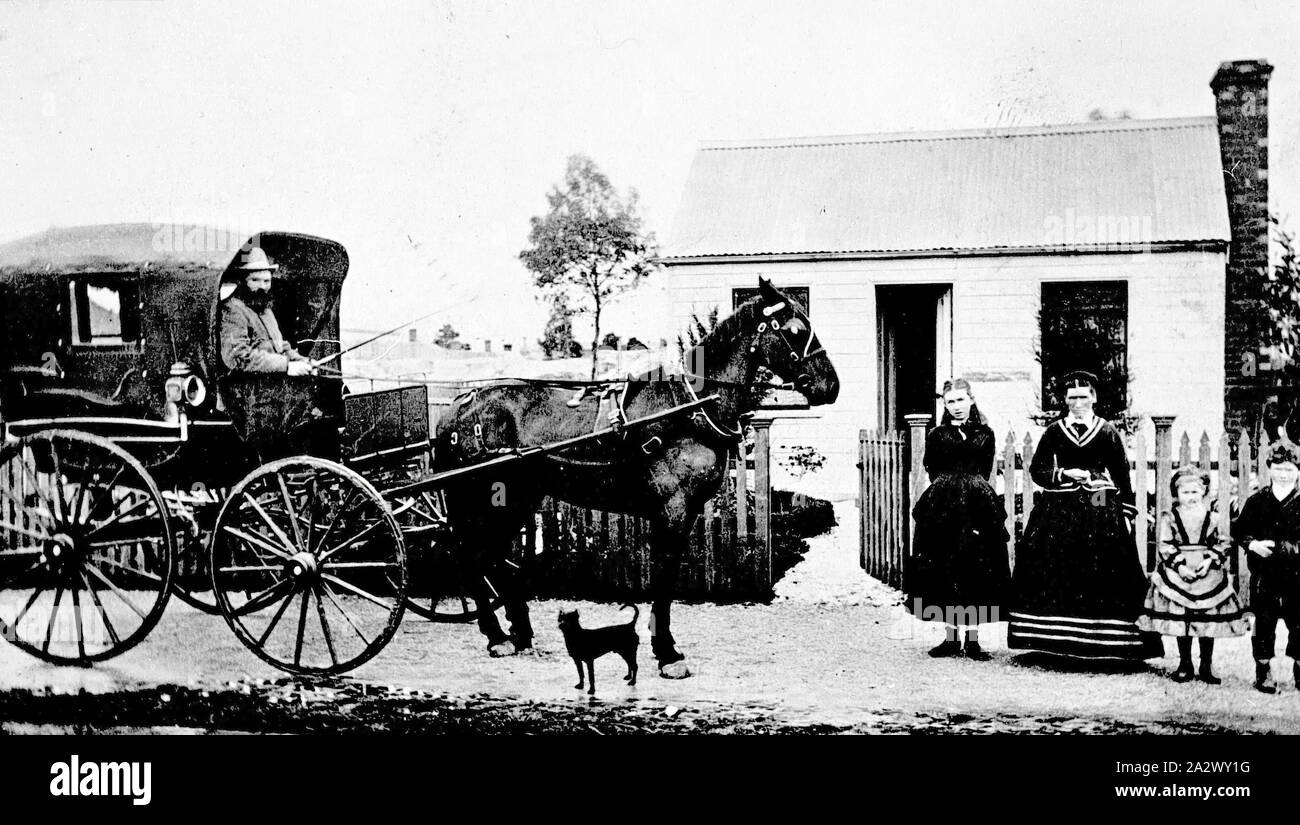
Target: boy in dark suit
pixel 1269 528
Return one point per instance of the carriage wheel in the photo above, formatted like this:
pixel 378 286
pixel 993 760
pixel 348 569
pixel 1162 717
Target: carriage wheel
pixel 444 569
pixel 86 548
pixel 309 566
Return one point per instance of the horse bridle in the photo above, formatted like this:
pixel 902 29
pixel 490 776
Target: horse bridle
pixel 774 325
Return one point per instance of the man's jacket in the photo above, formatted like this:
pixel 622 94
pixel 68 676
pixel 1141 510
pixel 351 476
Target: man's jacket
pixel 251 342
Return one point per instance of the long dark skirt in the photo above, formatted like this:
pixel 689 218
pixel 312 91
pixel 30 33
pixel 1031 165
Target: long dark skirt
pixel 957 572
pixel 1079 588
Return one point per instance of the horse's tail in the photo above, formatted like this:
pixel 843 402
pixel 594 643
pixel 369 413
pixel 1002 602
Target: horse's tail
pixel 636 613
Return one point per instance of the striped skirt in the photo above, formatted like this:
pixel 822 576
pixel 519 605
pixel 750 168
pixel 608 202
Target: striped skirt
pixel 1078 587
pixel 1079 636
pixel 1207 606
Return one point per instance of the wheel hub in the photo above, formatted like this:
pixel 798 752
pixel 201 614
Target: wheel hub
pixel 60 552
pixel 302 567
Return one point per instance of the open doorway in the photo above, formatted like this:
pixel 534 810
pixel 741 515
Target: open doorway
pixel 914 347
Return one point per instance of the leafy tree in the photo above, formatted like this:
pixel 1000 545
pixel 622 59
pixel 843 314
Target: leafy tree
pixel 590 244
pixel 1280 294
pixel 696 329
pixel 448 337
pixel 557 339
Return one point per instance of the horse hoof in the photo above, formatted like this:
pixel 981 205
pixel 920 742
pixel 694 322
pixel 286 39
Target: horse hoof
pixel 501 649
pixel 677 670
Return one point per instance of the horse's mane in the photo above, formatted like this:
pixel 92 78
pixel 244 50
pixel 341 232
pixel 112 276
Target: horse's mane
pixel 729 329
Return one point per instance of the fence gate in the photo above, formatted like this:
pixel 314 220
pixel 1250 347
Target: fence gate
pixel 883 504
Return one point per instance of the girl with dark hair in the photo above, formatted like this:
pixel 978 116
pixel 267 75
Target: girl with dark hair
pixel 1191 593
pixel 958 571
pixel 1078 587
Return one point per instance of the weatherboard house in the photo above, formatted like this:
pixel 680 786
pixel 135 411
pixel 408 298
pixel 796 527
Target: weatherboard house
pixel 1008 256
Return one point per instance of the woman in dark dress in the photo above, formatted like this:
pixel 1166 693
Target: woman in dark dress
pixel 1078 586
pixel 958 570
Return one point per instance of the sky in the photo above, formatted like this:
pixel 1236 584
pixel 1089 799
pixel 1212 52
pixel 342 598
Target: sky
pixel 424 135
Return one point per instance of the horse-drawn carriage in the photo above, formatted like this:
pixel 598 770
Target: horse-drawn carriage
pixel 134 467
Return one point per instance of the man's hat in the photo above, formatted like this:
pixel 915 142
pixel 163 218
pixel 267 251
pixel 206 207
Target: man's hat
pixel 255 260
pixel 1079 378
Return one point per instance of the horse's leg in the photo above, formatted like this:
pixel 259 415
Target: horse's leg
pixel 666 552
pixel 516 602
pixel 517 584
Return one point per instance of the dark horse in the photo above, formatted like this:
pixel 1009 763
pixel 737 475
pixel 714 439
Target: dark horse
pixel 664 471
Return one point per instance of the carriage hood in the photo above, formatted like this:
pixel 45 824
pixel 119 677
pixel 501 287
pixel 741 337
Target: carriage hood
pixel 155 289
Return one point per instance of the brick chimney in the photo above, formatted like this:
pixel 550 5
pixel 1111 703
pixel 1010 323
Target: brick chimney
pixel 1241 104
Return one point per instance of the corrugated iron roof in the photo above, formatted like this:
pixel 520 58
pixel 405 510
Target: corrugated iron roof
pixel 1074 186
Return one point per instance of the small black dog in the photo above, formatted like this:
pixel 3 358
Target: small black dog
pixel 589 644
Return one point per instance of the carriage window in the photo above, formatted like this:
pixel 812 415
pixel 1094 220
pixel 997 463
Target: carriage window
pixel 104 314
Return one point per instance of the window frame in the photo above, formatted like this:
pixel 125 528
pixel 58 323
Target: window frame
pixel 1113 392
pixel 80 330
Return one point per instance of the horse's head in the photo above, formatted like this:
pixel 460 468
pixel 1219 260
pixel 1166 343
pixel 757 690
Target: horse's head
pixel 785 343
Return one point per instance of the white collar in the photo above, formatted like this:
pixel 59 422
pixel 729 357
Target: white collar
pixel 1092 427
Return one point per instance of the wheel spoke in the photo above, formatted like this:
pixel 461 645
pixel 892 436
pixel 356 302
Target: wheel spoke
pixel 357 591
pixel 81 501
pixel 346 615
pixel 253 538
pixel 103 614
pixel 25 551
pixel 289 508
pixel 325 627
pixel 115 563
pixel 356 565
pixel 54 615
pixel 36 594
pixel 252 568
pixel 302 628
pixel 353 540
pixel 106 490
pixel 311 514
pixel 95 571
pixel 262 599
pixel 23 531
pixel 338 515
pixel 284 605
pixel 118 516
pixel 275 528
pixel 81 633
pixel 59 492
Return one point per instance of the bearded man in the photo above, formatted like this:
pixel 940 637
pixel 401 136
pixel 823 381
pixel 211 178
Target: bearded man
pixel 250 337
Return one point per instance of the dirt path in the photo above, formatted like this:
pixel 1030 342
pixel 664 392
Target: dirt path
pixel 833 651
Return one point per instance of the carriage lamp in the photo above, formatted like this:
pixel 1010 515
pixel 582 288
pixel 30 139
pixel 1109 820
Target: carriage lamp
pixel 183 385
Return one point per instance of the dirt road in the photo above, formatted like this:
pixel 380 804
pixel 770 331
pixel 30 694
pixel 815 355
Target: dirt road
pixel 833 652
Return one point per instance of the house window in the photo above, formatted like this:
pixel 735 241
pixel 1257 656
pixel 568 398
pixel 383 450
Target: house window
pixel 104 314
pixel 1084 326
pixel 741 294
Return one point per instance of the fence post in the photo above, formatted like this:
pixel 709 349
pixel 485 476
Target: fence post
pixel 1164 466
pixel 1141 522
pixel 862 498
pixel 1009 494
pixel 742 503
pixel 916 423
pixel 763 501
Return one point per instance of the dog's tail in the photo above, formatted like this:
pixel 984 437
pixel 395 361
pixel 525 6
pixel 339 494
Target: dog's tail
pixel 636 613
